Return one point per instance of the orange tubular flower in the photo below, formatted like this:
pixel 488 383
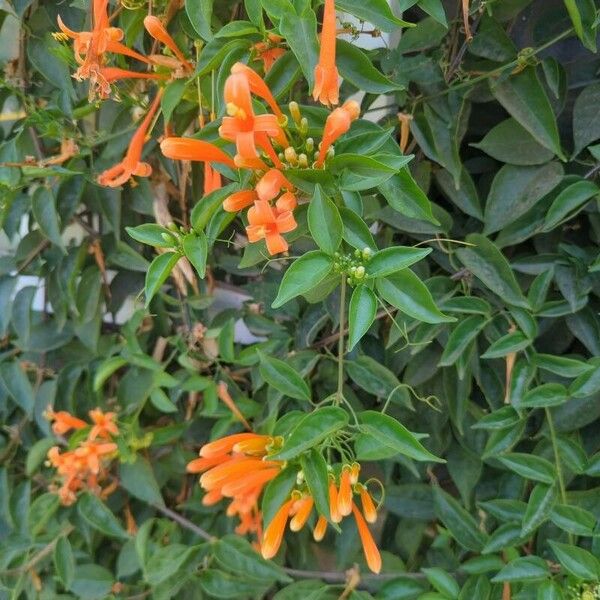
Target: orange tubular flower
pixel 327 80
pixel 63 421
pixel 259 87
pixel 157 30
pixel 90 453
pixel 212 179
pixel 320 529
pixel 271 184
pixel 90 47
pixel 104 424
pixel 113 74
pixel 132 163
pixel 368 506
pixel 225 445
pixel 239 200
pixel 268 224
pixel 303 509
pixel 337 123
pixel 344 500
pixel 372 555
pixel 201 464
pixel 269 52
pixel 336 517
pixel 191 149
pixel 273 535
pixel 226 398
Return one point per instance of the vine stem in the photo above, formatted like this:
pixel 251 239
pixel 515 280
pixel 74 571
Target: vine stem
pixel 559 473
pixel 340 382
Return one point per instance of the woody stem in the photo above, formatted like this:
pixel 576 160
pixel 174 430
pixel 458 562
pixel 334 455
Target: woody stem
pixel 340 385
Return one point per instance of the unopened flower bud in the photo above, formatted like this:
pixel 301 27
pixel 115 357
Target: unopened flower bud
pixel 303 161
pixel 310 144
pixel 367 253
pixel 290 155
pixel 303 126
pixel 295 112
pixel 360 272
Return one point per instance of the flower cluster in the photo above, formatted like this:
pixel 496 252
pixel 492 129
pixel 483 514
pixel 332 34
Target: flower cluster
pixel 265 145
pixel 85 465
pixel 238 467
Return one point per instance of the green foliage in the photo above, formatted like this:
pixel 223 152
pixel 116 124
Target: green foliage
pixel 461 274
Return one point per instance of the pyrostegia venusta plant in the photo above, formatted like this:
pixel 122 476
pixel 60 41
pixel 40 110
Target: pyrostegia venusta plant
pixel 292 173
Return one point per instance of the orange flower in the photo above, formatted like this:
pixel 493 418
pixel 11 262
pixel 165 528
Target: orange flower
pixel 90 47
pixel 91 453
pixel 368 506
pixel 320 529
pixel 287 201
pixel 271 184
pixel 157 30
pixel 274 532
pixel 104 424
pixel 372 555
pixel 202 464
pixel 132 163
pixel 258 87
pixel 344 502
pixel 249 484
pixel 336 517
pixel 327 81
pixel 337 123
pixel 224 445
pixel 180 148
pixel 268 224
pixel 113 74
pixel 212 179
pixel 354 472
pixel 239 200
pixel 63 421
pixel 302 510
pixel 268 51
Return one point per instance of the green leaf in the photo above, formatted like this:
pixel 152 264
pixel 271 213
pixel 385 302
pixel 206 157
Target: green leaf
pixel 314 428
pixel 435 8
pixel 152 235
pixel 300 33
pixel 460 339
pixel 105 369
pixel 356 232
pixel 404 195
pixel 171 98
pixel 165 562
pixel 277 492
pixel 395 435
pixel 37 454
pixel 237 29
pixel 44 211
pixel 283 378
pixel 361 314
pixel 583 16
pixel 507 344
pixel 573 519
pixel 160 268
pixel 18 385
pixel 235 553
pixel 569 202
pixel 355 67
pixel 544 395
pixel 99 516
pixel 195 247
pixel 138 479
pixel 586 124
pixel 561 365
pixel 509 142
pixel 303 275
pixel 549 590
pixel 92 582
pixel 316 476
pixel 515 190
pixel 578 562
pixel 199 13
pixel 377 12
pixel 460 523
pixel 539 507
pixel 389 260
pixel 204 210
pixel 444 583
pixel 529 466
pixel 64 561
pixel 408 293
pixel 523 96
pixel 324 222
pixel 586 384
pixel 523 569
pixel 374 377
pixel 488 264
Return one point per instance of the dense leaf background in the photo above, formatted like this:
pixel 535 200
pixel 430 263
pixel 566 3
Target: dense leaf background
pixel 506 138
